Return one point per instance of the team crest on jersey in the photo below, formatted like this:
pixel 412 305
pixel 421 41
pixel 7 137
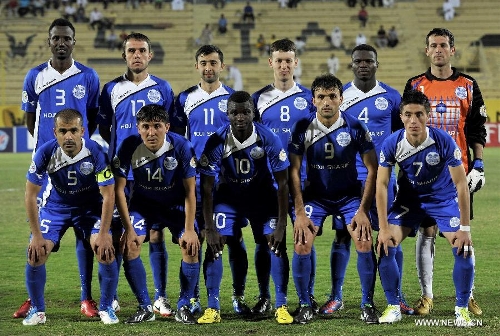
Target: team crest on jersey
pixel 343 139
pixel 461 92
pixel 282 155
pixel 24 97
pixel 192 162
pixel 86 168
pixel 204 160
pixel 457 154
pixel 257 152
pixel 154 96
pixel 381 157
pixel 381 103
pixel 32 167
pixel 79 91
pixel 300 103
pixel 223 105
pixel 432 158
pixel 454 221
pixel 170 163
pixel 273 223
pixel 116 162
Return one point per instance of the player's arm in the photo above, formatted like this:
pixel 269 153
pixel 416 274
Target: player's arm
pixel 38 246
pixel 381 195
pixel 214 240
pixel 462 236
pixel 361 222
pixel 30 122
pixel 275 239
pixel 102 244
pixel 189 239
pixel 129 236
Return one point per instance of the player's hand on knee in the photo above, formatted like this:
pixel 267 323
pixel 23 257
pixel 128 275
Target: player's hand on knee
pixel 37 249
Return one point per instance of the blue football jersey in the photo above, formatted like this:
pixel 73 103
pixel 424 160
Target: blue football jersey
pixel 248 167
pixel 202 113
pixel 158 177
pixel 121 99
pixel 46 92
pixel 73 182
pixel 331 154
pixel 423 170
pixel 378 109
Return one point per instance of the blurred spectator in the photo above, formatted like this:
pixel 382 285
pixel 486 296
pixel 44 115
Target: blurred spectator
pixel 38 6
pixel 261 44
pixel 333 64
pixel 80 14
pixel 388 3
pixel 52 4
pixel 177 5
pixel 283 3
pixel 234 75
pixel 82 3
pixel 382 37
pixel 222 24
pixel 293 3
pixel 205 36
pixel 95 18
pixel 363 16
pixel 351 3
pixel 336 38
pixel 134 4
pixel 300 44
pixel 448 10
pixel 298 71
pixel 360 39
pixel 219 3
pixel 122 37
pixel 109 20
pixel 12 8
pixel 248 13
pixel 158 4
pixel 70 12
pixel 24 7
pixel 392 37
pixel 455 3
pixel 112 40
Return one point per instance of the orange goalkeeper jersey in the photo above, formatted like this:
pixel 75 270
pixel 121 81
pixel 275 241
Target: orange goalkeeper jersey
pixel 457 107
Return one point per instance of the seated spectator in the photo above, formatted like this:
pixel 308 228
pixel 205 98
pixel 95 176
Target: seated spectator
pixel 158 4
pixel 219 3
pixel 336 38
pixel 70 12
pixel 205 37
pixel 82 3
pixel 392 37
pixel 108 22
pixel 360 39
pixel 300 44
pixel 261 44
pixel 448 10
pixel 24 8
pixel 351 3
pixel 382 37
pixel 248 13
pixel 333 64
pixel 38 6
pixel 12 8
pixel 222 24
pixel 388 3
pixel 293 3
pixel 363 16
pixel 95 18
pixel 112 40
pixel 283 3
pixel 177 5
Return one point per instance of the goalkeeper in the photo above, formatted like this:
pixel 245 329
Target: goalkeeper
pixel 458 108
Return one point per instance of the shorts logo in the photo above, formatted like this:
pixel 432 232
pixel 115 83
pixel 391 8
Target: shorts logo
pixel 32 167
pixel 86 168
pixel 24 97
pixel 381 157
pixel 454 221
pixel 432 158
pixel 79 91
pixel 282 155
pixel 170 163
pixel 97 225
pixel 457 154
pixel 223 105
pixel 300 103
pixel 381 103
pixel 257 153
pixel 203 160
pixel 154 96
pixel 343 139
pixel 192 162
pixel 273 223
pixel 461 92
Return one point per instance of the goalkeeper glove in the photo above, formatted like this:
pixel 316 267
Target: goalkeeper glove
pixel 475 178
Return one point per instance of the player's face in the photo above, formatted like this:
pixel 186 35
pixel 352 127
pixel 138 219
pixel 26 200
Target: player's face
pixel 137 55
pixel 439 51
pixel 209 67
pixel 283 64
pixel 61 42
pixel 153 134
pixel 240 116
pixel 327 102
pixel 364 64
pixel 415 118
pixel 69 135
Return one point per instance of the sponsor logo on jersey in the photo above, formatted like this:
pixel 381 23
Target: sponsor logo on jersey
pixel 154 96
pixel 381 103
pixel 300 103
pixel 223 105
pixel 457 154
pixel 432 158
pixel 32 167
pixel 86 168
pixel 257 152
pixel 454 221
pixel 79 91
pixel 343 139
pixel 461 92
pixel 282 155
pixel 170 163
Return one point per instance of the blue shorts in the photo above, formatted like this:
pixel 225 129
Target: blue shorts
pixel 410 213
pixel 154 217
pixel 55 222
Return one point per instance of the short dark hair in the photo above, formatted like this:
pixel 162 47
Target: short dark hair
pixel 364 47
pixel 283 45
pixel 241 97
pixel 152 113
pixel 61 22
pixel 415 97
pixel 138 37
pixel 326 81
pixel 441 32
pixel 68 115
pixel 207 50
